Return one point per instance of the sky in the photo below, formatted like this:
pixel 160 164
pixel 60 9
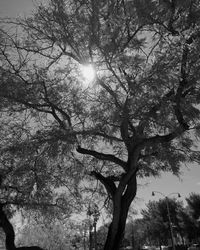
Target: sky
pixel 14 8
pixel 188 182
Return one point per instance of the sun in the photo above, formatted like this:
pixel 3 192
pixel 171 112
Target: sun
pixel 88 72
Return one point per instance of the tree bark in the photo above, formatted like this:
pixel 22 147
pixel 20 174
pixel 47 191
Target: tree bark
pixel 121 204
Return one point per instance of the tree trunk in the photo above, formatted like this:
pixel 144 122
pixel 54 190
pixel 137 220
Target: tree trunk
pixel 114 240
pixel 121 204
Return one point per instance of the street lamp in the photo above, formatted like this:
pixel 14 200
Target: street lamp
pixel 168 213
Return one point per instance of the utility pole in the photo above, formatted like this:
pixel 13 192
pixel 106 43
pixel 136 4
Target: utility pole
pixel 168 214
pixel 89 213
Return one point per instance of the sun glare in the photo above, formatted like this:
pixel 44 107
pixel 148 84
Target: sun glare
pixel 88 73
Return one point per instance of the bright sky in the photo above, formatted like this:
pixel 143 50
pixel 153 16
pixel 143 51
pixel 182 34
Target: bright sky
pixel 14 8
pixel 188 182
pixel 190 179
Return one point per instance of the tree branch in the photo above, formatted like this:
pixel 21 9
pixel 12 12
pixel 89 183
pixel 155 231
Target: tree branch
pixel 152 111
pixel 30 204
pixel 106 181
pixel 131 189
pixel 96 133
pixel 110 91
pixel 182 85
pixel 125 125
pixel 102 156
pixel 164 138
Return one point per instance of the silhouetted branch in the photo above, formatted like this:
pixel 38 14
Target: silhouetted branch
pixel 106 181
pixel 102 156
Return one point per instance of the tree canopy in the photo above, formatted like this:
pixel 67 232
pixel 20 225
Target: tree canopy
pixel 140 116
pixel 153 227
pixel 156 220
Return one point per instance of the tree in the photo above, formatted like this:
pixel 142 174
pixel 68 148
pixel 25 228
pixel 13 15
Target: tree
pixel 187 225
pixel 26 176
pixel 193 204
pixel 136 232
pixel 193 215
pixel 50 233
pixel 156 221
pixel 135 120
pixel 101 235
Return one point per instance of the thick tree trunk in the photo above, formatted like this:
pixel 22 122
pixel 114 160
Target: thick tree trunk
pixel 121 204
pixel 114 239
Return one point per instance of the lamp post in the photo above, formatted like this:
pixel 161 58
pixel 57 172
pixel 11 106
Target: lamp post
pixel 96 215
pixel 168 213
pixel 84 226
pixel 89 213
